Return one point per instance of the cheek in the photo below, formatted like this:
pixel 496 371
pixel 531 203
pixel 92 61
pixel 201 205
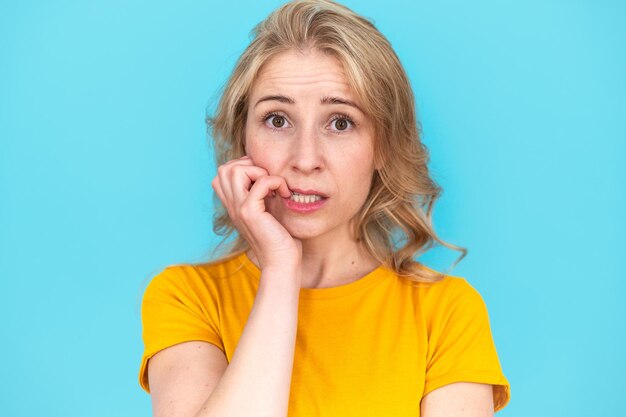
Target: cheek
pixel 361 175
pixel 358 162
pixel 264 157
pixel 356 178
pixel 267 151
pixel 259 150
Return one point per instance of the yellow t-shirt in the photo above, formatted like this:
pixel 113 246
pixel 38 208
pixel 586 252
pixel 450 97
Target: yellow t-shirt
pixel 373 347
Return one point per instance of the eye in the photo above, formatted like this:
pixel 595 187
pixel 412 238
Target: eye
pixel 277 121
pixel 342 122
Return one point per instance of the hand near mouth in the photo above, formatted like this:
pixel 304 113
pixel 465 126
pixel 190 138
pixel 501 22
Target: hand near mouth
pixel 242 187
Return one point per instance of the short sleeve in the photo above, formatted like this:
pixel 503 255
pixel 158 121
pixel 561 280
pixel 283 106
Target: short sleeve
pixel 461 347
pixel 175 308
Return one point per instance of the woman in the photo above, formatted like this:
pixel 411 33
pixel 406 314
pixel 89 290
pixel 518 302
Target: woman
pixel 319 309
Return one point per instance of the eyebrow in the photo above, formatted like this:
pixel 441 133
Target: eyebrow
pixel 324 100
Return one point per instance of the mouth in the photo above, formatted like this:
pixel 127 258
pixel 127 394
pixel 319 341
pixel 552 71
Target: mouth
pixel 305 198
pixel 305 201
pixel 299 193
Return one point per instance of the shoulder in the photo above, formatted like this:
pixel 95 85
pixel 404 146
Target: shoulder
pixel 195 277
pixel 455 288
pixel 449 287
pixel 447 294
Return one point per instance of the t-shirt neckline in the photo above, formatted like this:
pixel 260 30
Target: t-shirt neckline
pixel 362 283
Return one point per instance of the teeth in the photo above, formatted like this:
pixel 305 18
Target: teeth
pixel 305 199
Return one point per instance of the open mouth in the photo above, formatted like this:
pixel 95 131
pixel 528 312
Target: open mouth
pixel 304 202
pixel 305 198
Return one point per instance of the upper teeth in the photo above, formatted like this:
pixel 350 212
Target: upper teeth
pixel 305 198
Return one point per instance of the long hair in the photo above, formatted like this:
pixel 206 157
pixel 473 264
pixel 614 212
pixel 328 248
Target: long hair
pixel 395 223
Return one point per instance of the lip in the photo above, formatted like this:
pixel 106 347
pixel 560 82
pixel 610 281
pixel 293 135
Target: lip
pixel 309 192
pixel 304 208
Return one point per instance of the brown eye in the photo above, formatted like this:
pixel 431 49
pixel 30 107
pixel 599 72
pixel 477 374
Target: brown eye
pixel 278 121
pixel 341 124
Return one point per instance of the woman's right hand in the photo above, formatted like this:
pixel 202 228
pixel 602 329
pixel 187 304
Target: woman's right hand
pixel 243 187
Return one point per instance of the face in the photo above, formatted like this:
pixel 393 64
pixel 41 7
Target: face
pixel 304 124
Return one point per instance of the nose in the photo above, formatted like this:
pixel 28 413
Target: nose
pixel 307 154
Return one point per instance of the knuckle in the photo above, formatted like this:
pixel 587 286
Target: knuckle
pixel 245 212
pixel 266 180
pixel 230 212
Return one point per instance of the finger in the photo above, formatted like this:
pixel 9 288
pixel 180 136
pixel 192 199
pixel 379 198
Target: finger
pixel 218 190
pixel 252 172
pixel 245 159
pixel 283 189
pixel 224 173
pixel 226 204
pixel 265 185
pixel 242 179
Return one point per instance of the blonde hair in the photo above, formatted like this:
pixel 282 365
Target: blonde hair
pixel 402 193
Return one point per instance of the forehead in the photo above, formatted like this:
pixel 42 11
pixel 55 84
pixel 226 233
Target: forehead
pixel 303 71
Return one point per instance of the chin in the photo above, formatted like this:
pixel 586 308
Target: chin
pixel 298 233
pixel 303 230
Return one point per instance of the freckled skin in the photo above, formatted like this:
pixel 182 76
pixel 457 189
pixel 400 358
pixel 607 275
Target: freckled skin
pixel 310 149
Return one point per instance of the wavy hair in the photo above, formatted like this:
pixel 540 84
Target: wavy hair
pixel 395 223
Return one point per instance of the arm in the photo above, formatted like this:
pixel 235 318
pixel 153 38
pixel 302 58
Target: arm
pixel 461 349
pixel 199 383
pixel 194 379
pixel 466 399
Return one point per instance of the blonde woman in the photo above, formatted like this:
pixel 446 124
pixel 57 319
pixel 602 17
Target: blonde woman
pixel 319 308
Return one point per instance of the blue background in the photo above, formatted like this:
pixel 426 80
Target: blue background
pixel 105 179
